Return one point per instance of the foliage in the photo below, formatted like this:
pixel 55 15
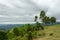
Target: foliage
pixel 53 20
pixel 3 35
pixel 38 25
pixel 16 31
pixel 46 20
pixel 42 14
pixel 29 35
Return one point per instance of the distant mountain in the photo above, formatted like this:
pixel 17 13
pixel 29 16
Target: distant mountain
pixel 9 26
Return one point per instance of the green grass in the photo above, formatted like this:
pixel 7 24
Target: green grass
pixel 54 30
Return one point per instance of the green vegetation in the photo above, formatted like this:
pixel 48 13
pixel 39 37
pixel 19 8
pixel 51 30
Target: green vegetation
pixel 27 31
pixel 42 14
pixel 3 35
pixel 53 20
pixel 32 33
pixel 16 31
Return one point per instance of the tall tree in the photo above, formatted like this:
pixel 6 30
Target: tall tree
pixel 46 20
pixel 42 14
pixel 53 20
pixel 36 17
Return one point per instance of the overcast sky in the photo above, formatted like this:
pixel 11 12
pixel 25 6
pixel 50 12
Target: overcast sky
pixel 23 11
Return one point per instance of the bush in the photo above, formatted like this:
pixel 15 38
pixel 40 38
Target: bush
pixel 34 34
pixel 42 28
pixel 51 34
pixel 3 36
pixel 16 31
pixel 29 35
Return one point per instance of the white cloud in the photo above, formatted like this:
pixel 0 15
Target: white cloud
pixel 4 2
pixel 17 22
pixel 24 10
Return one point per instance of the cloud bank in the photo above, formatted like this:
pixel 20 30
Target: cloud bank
pixel 22 11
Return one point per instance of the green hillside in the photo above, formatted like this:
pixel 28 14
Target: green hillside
pixel 49 33
pixel 32 32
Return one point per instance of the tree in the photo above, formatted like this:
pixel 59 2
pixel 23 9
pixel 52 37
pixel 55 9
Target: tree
pixel 3 35
pixel 42 14
pixel 16 31
pixel 46 20
pixel 53 20
pixel 36 17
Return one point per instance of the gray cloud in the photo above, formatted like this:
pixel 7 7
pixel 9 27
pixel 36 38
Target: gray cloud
pixel 25 10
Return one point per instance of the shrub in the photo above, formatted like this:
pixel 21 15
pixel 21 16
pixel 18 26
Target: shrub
pixel 51 34
pixel 42 28
pixel 29 35
pixel 34 34
pixel 3 35
pixel 16 31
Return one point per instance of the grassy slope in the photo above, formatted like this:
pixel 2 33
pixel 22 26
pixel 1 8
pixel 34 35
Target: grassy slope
pixel 55 29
